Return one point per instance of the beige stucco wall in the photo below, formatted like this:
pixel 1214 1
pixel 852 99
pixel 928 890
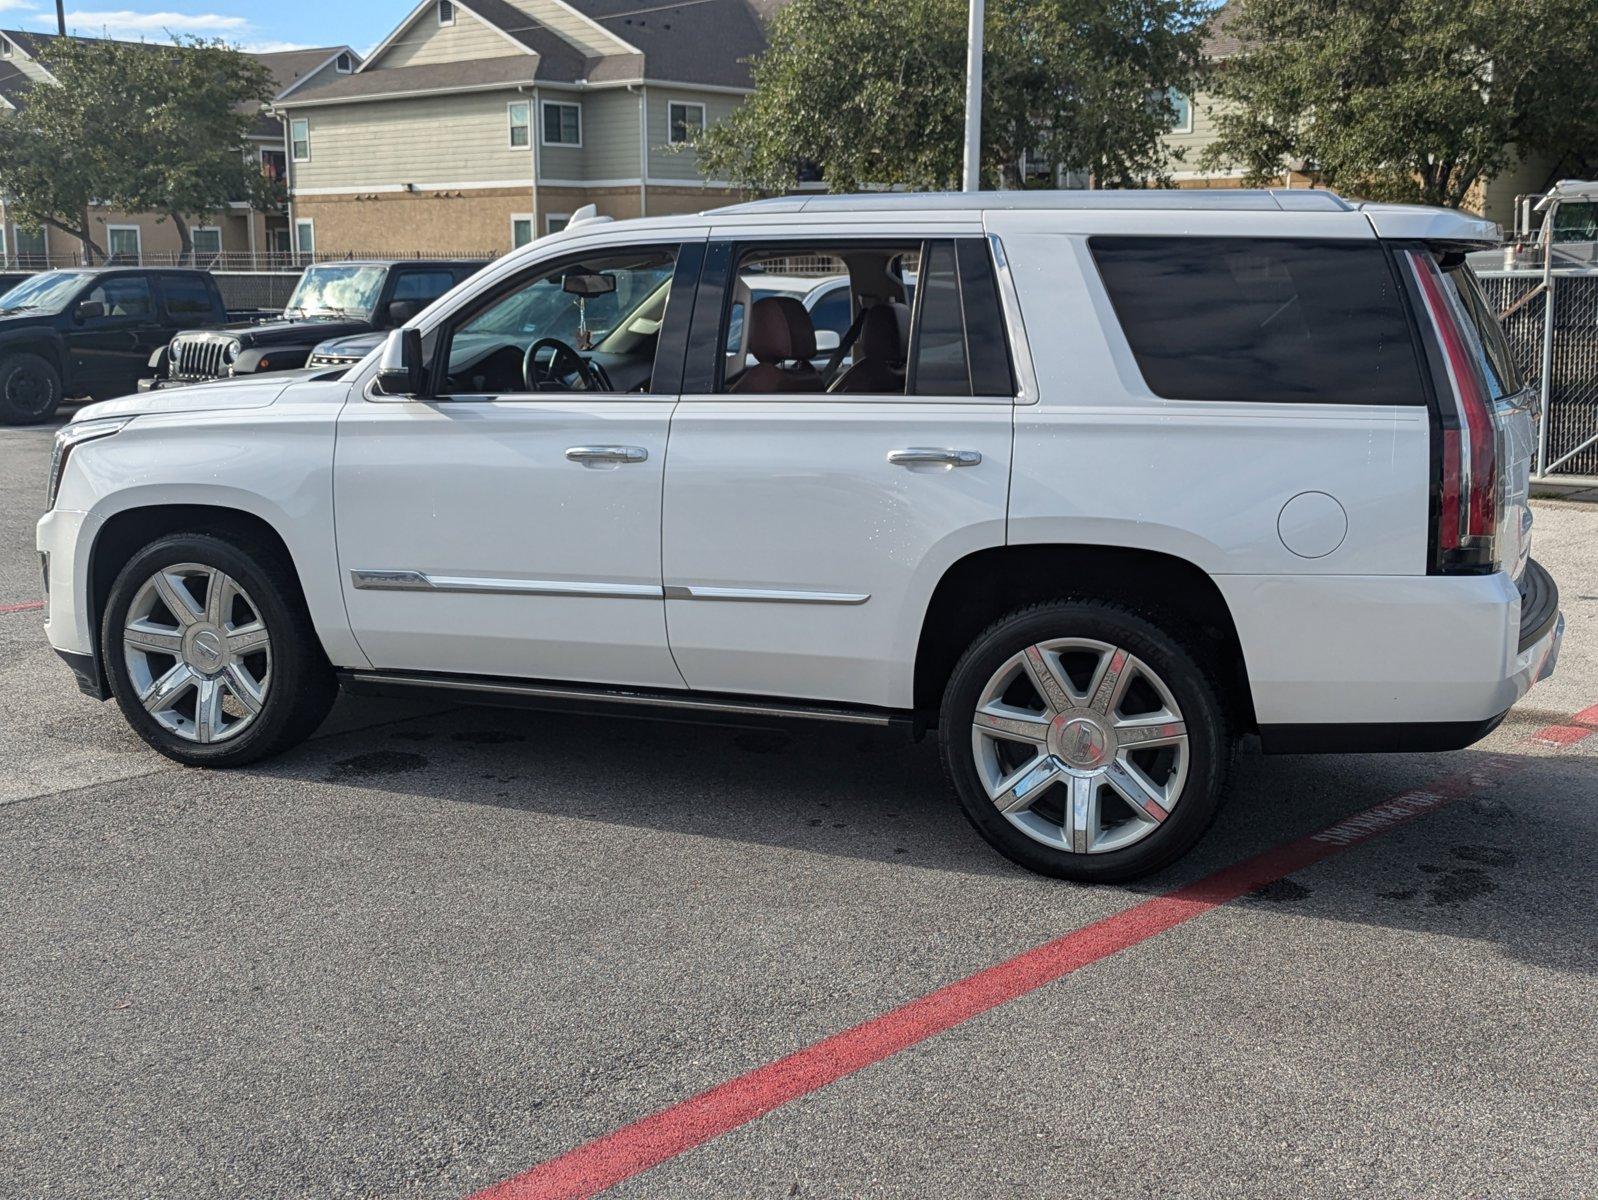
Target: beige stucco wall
pixel 473 223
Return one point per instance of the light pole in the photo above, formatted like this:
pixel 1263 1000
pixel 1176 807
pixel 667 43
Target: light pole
pixel 972 178
pixel 61 17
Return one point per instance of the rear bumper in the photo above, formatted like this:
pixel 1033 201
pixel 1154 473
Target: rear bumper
pixel 1390 663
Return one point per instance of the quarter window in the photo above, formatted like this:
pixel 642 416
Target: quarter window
pixel 1262 319
pixel 563 124
pixel 684 122
pixel 300 139
pixel 521 125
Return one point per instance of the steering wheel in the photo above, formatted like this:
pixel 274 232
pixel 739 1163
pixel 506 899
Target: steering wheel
pixel 562 363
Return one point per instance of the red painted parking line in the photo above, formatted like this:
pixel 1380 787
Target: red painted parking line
pixel 1587 716
pixel 1561 735
pixel 606 1161
pixel 16 608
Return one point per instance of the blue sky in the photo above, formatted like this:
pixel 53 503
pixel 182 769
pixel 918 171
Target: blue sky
pixel 254 24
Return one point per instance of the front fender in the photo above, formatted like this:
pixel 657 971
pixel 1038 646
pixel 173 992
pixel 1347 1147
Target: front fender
pixel 46 343
pixel 275 465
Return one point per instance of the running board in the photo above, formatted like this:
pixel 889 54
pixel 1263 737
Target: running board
pixel 577 697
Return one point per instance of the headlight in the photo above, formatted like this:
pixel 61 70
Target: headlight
pixel 69 437
pixel 230 352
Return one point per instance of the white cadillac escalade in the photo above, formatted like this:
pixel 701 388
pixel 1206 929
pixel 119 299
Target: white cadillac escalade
pixel 1094 484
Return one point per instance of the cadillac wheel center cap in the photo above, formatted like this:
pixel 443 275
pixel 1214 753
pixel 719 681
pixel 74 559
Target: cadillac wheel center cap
pixel 207 651
pixel 1080 741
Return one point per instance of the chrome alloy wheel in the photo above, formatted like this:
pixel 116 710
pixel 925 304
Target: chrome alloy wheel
pixel 198 653
pixel 1080 745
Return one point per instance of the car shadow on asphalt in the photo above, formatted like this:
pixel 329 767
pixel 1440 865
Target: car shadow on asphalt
pixel 1498 865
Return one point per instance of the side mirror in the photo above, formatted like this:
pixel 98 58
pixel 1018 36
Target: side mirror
pixel 89 310
pixel 577 283
pixel 401 371
pixel 827 340
pixel 400 311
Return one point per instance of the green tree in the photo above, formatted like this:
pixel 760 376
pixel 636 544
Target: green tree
pixel 873 92
pixel 1410 100
pixel 145 128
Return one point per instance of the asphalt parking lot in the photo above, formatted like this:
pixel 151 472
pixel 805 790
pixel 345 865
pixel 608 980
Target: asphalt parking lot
pixel 434 949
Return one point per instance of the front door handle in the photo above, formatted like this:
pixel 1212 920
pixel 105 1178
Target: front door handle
pixel 944 458
pixel 603 454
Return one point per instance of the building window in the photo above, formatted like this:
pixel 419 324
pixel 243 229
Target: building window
pixel 521 230
pixel 343 64
pixel 207 243
pixel 684 122
pixel 300 138
pixel 446 12
pixel 520 115
pixel 274 165
pixel 122 243
pixel 555 222
pixel 29 246
pixel 5 47
pixel 1182 108
pixel 563 124
pixel 305 237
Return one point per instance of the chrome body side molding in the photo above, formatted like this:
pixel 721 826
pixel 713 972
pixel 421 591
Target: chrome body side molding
pixel 417 581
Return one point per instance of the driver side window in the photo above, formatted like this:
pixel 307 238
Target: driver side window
pixel 590 324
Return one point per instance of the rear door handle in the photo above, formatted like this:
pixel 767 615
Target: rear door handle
pixel 946 458
pixel 616 454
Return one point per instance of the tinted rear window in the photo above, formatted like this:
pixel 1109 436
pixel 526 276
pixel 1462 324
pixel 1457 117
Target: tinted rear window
pixel 1262 319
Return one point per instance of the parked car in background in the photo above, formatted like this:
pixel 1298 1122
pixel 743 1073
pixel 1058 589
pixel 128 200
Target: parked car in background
pixel 345 351
pixel 89 332
pixel 1109 507
pixel 331 300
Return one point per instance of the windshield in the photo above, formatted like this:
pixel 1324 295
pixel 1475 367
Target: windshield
pixel 346 290
pixel 50 292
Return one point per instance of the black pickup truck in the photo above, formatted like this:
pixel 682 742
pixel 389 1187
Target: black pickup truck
pixel 90 332
pixel 331 300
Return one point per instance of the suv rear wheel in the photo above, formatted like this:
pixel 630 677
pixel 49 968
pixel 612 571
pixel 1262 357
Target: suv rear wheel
pixel 210 651
pixel 1084 742
pixel 30 389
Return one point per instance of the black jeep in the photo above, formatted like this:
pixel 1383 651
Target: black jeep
pixel 331 300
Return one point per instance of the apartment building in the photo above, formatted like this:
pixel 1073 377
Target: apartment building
pixel 238 229
pixel 478 125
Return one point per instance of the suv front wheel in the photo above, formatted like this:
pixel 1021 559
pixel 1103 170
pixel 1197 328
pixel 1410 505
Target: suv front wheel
pixel 210 651
pixel 30 389
pixel 1084 742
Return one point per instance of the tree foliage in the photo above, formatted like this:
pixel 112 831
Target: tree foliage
pixel 143 128
pixel 872 92
pixel 1410 100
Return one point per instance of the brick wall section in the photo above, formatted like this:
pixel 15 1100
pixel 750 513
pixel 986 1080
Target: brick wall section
pixel 445 223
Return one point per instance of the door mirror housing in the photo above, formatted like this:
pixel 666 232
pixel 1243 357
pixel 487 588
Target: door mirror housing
pixel 400 311
pixel 401 371
pixel 89 310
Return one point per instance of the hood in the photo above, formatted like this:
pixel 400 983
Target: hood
pixel 247 391
pixel 356 345
pixel 295 333
pixel 24 320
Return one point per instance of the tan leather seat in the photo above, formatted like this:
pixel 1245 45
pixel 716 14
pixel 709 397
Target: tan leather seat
pixel 780 331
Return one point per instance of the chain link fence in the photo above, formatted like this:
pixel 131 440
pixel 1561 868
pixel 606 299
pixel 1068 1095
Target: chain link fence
pixel 1571 435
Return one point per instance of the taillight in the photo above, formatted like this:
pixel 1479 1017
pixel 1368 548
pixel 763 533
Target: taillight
pixel 1470 497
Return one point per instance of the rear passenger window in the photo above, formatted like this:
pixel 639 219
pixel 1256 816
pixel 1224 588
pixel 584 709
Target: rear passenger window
pixel 1262 319
pixel 423 286
pixel 186 296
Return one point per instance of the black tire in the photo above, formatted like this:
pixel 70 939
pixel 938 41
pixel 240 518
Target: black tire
pixel 1209 744
pixel 302 685
pixel 30 389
